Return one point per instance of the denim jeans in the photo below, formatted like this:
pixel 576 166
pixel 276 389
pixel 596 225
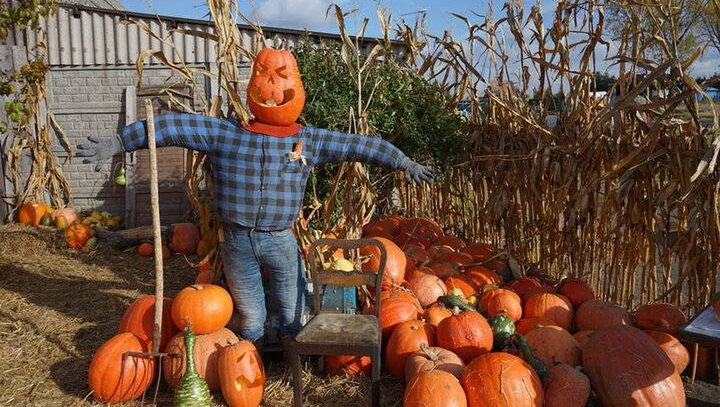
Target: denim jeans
pixel 244 252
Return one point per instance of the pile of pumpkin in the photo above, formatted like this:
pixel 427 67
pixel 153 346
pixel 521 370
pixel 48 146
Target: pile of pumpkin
pixel 461 334
pixel 78 231
pixel 118 373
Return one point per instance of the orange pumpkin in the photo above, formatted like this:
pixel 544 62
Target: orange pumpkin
pixel 417 254
pixel 460 282
pixel 500 379
pixel 207 307
pixel 554 345
pixel 389 225
pixel 146 250
pixel 394 311
pixel 185 238
pixel 77 235
pixel 501 301
pixel 583 337
pixel 414 272
pixel 203 248
pixel 435 388
pixel 627 368
pixel 394 265
pixel 433 358
pixel 481 276
pixel 442 268
pixel 406 339
pixel 452 241
pixel 565 386
pixel 31 213
pixel 115 377
pixel 524 286
pixel 552 307
pixel 467 334
pixel 436 313
pixel 206 353
pixel 678 354
pixel 479 251
pixel 347 365
pixel 458 258
pixel 525 325
pixel 241 374
pixel 594 315
pixel 139 319
pixel 576 291
pixel 275 93
pixel 427 288
pixel 659 317
pixel 205 275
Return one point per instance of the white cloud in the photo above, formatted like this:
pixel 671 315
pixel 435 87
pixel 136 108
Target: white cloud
pixel 308 14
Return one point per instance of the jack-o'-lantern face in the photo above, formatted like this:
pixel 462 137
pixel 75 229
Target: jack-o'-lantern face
pixel 275 92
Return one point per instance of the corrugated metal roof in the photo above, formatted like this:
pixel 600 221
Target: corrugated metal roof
pixel 106 4
pixel 87 36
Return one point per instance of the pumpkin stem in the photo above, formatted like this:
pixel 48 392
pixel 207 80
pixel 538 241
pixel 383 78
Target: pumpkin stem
pixel 456 310
pixel 429 353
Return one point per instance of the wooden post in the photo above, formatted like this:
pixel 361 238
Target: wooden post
pixel 157 235
pixel 130 195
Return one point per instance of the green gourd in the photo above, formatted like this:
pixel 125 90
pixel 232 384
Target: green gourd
pixel 503 328
pixel 527 353
pixel 191 391
pixel 451 301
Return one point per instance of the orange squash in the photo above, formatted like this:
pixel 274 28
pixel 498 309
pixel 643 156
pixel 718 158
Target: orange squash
pixel 525 325
pixel 31 213
pixel 467 334
pixel 678 354
pixel 524 286
pixel 394 265
pixel 241 374
pixel 435 388
pixel 275 93
pixel 565 386
pixel 436 313
pixel 460 282
pixel 207 307
pixel 583 337
pixel 554 345
pixel 482 276
pixel 594 315
pixel 577 291
pixel 347 365
pixel 146 250
pixel 552 307
pixel 139 319
pixel 116 378
pixel 500 379
pixel 427 288
pixel 406 339
pixel 185 238
pixel 433 358
pixel 659 317
pixel 393 312
pixel 77 235
pixel 479 251
pixel 501 301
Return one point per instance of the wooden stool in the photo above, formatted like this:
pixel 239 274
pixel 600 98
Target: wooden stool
pixel 340 334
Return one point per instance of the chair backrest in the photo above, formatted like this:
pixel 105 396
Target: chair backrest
pixel 321 276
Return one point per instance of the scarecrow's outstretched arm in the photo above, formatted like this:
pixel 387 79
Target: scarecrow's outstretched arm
pixel 334 146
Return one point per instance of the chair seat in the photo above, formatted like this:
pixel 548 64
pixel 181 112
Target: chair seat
pixel 341 329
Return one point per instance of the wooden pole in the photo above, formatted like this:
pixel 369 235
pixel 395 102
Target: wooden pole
pixel 157 235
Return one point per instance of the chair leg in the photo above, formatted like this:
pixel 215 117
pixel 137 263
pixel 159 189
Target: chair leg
pixel 375 379
pixel 296 367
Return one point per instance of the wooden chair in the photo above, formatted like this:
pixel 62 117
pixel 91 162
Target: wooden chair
pixel 329 333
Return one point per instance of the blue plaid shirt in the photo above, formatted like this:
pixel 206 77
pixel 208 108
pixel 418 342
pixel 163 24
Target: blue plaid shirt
pixel 258 184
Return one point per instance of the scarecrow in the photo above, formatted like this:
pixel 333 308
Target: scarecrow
pixel 260 172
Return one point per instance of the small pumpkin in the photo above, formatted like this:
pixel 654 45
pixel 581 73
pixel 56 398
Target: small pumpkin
pixel 462 283
pixel 46 220
pixel 502 380
pixel 139 318
pixel 501 301
pixel 207 307
pixel 146 250
pixel 31 213
pixel 206 351
pixel 434 388
pixel 659 317
pixel 465 333
pixel 185 238
pixel 77 235
pixel 552 307
pixel 442 268
pixel 458 258
pixel 482 276
pixel 524 285
pixel 406 339
pixel 275 93
pixel 61 223
pixel 394 266
pixel 576 291
pixel 552 345
pixel 678 354
pixel 116 378
pixel 242 375
pixel 347 365
pixel 394 311
pixel 427 288
pixel 566 386
pixel 433 358
pixel 595 315
pixel 436 313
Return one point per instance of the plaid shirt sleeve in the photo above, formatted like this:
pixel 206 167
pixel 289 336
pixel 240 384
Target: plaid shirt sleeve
pixel 191 131
pixel 334 146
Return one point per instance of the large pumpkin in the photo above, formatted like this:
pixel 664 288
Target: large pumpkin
pixel 501 301
pixel 479 251
pixel 241 374
pixel 390 226
pixel 675 350
pixel 582 337
pixel 32 213
pixel 552 307
pixel 659 317
pixel 462 283
pixel 347 365
pixel 627 368
pixel 275 93
pixel 407 338
pixel 207 307
pixel 139 318
pixel 115 377
pixel 185 238
pixel 565 386
pixel 576 291
pixel 554 345
pixel 436 313
pixel 434 388
pixel 594 315
pixel 394 311
pixel 501 380
pixel 394 265
pixel 427 288
pixel 525 325
pixel 457 258
pixel 433 358
pixel 77 235
pixel 207 350
pixel 524 286
pixel 467 334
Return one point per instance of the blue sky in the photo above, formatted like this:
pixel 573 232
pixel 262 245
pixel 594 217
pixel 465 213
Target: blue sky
pixel 310 14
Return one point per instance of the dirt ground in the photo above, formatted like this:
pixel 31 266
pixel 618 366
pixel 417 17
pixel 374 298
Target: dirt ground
pixel 58 306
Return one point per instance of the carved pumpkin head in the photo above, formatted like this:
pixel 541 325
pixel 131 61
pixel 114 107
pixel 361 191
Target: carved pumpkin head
pixel 275 93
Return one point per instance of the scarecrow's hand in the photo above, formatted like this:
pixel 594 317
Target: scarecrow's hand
pixel 417 173
pixel 98 151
